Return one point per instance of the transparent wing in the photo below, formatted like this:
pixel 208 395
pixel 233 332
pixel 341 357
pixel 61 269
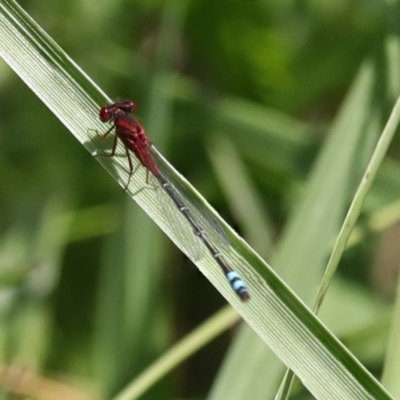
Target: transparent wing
pixel 201 213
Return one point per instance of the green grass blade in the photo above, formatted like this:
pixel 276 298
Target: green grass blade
pixel 179 352
pixel 307 240
pixel 275 313
pixel 358 200
pixel 355 209
pixel 246 205
pixel 391 367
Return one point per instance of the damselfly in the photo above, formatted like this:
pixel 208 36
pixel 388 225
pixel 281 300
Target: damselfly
pixel 132 134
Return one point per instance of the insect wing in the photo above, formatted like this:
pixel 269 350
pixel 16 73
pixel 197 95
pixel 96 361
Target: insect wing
pixel 200 212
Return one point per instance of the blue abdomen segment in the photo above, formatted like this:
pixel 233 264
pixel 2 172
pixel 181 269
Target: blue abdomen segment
pixel 238 285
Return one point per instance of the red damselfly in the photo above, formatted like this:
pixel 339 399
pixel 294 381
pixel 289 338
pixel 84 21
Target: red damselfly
pixel 134 138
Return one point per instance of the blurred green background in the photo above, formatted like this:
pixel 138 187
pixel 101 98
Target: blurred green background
pixel 267 77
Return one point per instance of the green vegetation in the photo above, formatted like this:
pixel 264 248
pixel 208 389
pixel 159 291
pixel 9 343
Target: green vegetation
pixel 272 110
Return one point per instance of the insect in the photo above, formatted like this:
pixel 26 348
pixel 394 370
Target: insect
pixel 132 134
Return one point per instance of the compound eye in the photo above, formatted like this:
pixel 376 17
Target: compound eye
pixel 105 115
pixel 128 106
